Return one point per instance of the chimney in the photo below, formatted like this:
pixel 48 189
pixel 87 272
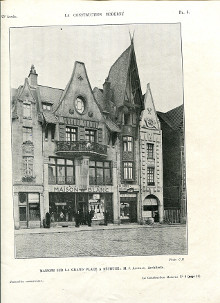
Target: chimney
pixel 33 76
pixel 107 93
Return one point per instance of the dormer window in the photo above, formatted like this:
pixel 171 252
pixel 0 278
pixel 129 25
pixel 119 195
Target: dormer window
pixel 27 110
pixel 47 106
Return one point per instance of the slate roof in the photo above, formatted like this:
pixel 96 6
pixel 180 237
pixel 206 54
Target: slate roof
pixel 112 126
pixel 174 117
pixel 50 94
pixel 49 117
pixel 118 76
pixel 98 94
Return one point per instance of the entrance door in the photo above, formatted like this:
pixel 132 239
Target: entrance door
pixel 128 211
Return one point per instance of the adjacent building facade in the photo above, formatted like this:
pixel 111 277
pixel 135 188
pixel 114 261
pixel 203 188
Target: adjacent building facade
pixel 80 150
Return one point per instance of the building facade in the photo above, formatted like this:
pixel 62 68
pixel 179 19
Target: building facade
pixel 78 150
pixel 174 168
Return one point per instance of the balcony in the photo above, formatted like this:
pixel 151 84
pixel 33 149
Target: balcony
pixel 83 148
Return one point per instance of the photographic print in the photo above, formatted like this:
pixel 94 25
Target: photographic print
pixel 98 142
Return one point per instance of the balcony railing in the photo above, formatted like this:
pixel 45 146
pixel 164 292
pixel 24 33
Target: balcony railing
pixel 83 147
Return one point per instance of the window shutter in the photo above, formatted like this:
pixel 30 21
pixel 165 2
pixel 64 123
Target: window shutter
pixel 81 133
pixel 62 132
pixel 100 135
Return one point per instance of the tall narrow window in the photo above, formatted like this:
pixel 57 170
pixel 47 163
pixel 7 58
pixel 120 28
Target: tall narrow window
pixel 27 134
pixel 28 166
pixel 127 143
pixel 26 110
pixel 71 134
pixel 150 176
pixel 128 170
pixel 90 135
pixel 150 151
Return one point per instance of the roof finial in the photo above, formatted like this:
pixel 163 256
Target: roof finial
pixel 131 37
pixel 33 70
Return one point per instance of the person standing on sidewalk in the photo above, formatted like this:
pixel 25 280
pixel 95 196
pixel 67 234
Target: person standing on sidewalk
pixel 77 218
pixel 106 216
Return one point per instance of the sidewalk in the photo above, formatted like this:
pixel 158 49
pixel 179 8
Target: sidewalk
pixel 61 229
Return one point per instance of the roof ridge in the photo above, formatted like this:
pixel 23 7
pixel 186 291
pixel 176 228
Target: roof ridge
pixel 50 87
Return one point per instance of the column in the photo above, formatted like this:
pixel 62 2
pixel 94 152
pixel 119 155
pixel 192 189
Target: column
pixel 16 211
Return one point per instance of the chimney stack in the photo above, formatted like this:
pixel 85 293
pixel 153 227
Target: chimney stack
pixel 33 76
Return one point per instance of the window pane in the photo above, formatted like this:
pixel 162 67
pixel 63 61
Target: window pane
pixel 69 162
pixel 107 164
pixel 28 166
pixel 99 164
pixel 108 176
pixel 22 213
pixel 92 163
pixel 92 180
pixel 99 176
pixel 69 175
pixel 27 134
pixel 33 198
pixel 27 110
pixel 52 160
pixel 34 211
pixel 61 175
pixel 60 161
pixel 52 174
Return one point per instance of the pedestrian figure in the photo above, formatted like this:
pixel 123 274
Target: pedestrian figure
pixel 47 220
pixel 89 217
pixel 61 216
pixel 77 219
pixel 106 216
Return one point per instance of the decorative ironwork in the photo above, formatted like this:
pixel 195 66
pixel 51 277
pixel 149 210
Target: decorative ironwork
pixel 81 146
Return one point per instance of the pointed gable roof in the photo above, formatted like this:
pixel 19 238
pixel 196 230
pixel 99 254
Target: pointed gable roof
pixel 149 116
pixel 118 75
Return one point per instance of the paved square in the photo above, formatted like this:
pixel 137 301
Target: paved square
pixel 136 241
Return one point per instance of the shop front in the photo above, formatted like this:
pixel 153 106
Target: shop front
pixel 29 209
pixel 64 206
pixel 150 208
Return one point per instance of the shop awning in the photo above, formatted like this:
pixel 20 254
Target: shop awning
pixel 50 118
pixel 112 126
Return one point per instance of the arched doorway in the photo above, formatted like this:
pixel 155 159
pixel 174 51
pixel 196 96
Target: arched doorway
pixel 150 208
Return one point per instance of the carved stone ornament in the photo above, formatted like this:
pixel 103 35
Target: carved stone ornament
pixel 90 114
pixel 71 111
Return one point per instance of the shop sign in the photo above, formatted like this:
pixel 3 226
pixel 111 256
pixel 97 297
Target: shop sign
pixel 128 195
pixel 73 189
pixel 129 188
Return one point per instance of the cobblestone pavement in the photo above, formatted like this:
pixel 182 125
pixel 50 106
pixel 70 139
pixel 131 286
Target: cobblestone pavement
pixel 135 241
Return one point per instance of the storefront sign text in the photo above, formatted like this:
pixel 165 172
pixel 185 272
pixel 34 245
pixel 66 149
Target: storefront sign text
pixel 73 189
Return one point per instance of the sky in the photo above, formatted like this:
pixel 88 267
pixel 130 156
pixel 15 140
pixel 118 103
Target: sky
pixel 54 49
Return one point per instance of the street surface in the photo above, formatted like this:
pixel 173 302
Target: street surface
pixel 101 242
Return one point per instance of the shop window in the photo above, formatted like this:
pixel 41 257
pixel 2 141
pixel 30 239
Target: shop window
pixel 100 173
pixel 27 134
pixel 150 151
pixel 26 110
pixel 127 143
pixel 71 134
pixel 128 170
pixel 150 176
pixel 29 206
pixel 28 166
pixel 90 135
pixel 61 171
